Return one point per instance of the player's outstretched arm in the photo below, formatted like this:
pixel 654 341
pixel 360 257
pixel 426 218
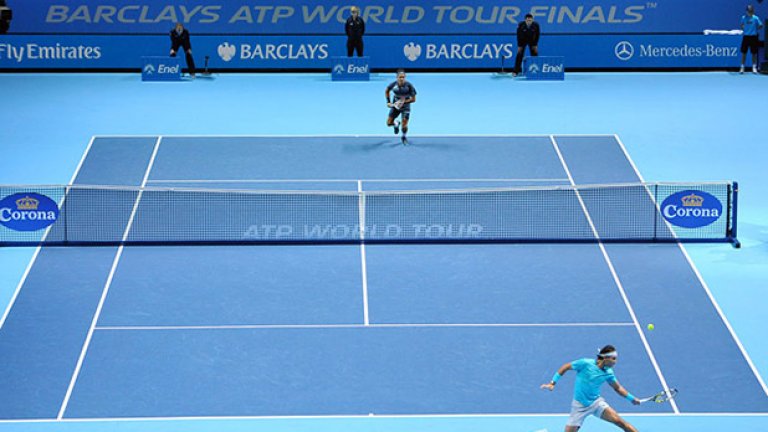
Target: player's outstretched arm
pixel 618 388
pixel 551 385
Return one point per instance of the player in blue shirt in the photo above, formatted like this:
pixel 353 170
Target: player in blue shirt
pixel 591 374
pixel 750 23
pixel 405 93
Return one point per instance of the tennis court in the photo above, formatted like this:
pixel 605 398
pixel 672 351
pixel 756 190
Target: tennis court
pixel 233 331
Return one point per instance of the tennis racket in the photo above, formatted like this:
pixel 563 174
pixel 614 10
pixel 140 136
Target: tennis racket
pixel 398 104
pixel 661 396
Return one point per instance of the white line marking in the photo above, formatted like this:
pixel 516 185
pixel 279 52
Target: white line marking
pixel 45 235
pixel 361 222
pixel 348 416
pixel 82 160
pixel 18 287
pixel 388 180
pixel 347 326
pixel 615 277
pixel 543 136
pixel 704 285
pixel 107 285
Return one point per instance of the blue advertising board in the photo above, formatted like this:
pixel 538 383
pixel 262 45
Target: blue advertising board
pixel 157 68
pixel 384 17
pixel 350 69
pixel 386 52
pixel 544 68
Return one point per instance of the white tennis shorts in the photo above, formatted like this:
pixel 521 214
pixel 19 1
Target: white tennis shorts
pixel 580 412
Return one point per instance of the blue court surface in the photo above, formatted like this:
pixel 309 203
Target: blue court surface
pixel 360 330
pixel 381 337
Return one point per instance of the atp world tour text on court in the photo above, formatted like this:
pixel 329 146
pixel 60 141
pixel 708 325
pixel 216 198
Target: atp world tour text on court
pixel 319 231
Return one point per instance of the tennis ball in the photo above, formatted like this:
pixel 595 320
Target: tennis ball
pixel 650 327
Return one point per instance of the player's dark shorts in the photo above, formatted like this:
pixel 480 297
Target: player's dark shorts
pixel 396 112
pixel 750 42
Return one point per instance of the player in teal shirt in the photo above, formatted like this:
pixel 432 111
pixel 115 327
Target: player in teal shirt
pixel 590 376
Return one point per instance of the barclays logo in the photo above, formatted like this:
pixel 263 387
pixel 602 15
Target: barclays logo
pixel 533 69
pixel 624 50
pixel 412 51
pixel 149 69
pixel 691 209
pixel 338 69
pixel 226 51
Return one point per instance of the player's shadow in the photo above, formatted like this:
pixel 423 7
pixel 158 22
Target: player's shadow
pixel 394 142
pixel 439 145
pixel 373 146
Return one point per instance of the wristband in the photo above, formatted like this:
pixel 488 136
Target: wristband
pixel 555 378
pixel 630 397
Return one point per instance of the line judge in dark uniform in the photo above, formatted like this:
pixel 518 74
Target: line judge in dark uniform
pixel 355 29
pixel 527 35
pixel 180 38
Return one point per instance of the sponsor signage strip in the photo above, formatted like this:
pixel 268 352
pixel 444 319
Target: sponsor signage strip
pixel 422 52
pixel 382 16
pixel 161 69
pixel 350 69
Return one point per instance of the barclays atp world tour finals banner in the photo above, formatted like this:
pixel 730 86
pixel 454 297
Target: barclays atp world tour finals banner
pixel 305 34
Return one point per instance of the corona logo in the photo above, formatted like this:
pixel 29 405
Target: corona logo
pixel 691 209
pixel 28 211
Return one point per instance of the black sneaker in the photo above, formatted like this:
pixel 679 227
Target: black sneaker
pixel 397 128
pixel 404 140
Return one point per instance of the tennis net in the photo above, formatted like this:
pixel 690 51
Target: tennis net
pixel 637 212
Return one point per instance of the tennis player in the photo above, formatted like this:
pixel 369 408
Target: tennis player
pixel 405 92
pixel 590 375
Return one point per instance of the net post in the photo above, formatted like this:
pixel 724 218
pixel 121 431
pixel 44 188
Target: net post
pixel 65 214
pixel 734 197
pixel 656 210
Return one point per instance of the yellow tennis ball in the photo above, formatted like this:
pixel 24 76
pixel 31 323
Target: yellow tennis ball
pixel 650 327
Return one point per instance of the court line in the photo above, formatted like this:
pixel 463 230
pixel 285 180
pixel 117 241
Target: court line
pixel 355 180
pixel 349 326
pixel 358 416
pixel 37 249
pixel 615 276
pixel 107 285
pixel 702 282
pixel 361 222
pixel 359 136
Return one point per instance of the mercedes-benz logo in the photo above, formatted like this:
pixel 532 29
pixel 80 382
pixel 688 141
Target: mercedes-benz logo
pixel 624 50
